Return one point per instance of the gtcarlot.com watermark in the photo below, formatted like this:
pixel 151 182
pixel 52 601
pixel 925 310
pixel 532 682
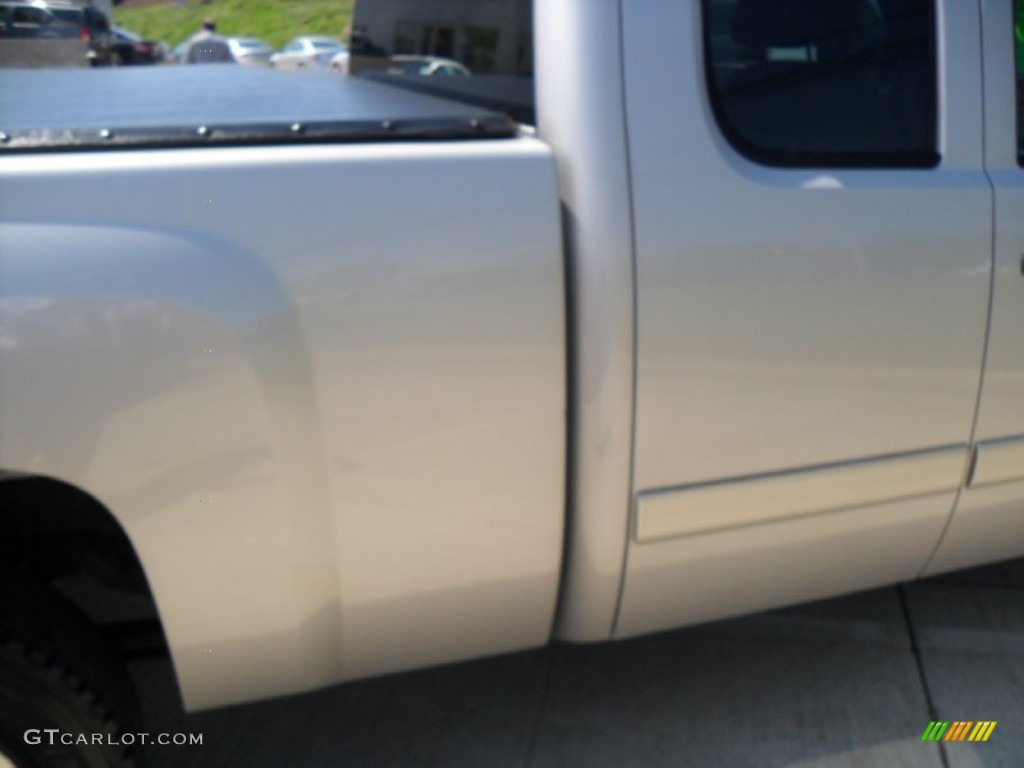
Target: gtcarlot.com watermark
pixel 53 736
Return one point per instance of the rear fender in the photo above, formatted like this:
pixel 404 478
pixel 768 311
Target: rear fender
pixel 166 375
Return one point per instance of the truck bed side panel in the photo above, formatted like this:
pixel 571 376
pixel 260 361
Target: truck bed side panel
pixel 322 388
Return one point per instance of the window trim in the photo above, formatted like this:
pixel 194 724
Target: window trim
pixel 927 159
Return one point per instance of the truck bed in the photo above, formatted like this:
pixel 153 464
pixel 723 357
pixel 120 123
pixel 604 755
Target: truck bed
pixel 357 350
pixel 220 104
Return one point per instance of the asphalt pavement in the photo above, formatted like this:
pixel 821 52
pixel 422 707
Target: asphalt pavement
pixel 851 682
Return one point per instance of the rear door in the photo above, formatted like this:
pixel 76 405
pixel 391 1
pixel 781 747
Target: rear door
pixel 989 522
pixel 813 241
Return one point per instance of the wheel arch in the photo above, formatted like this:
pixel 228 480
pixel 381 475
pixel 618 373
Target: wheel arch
pixel 132 373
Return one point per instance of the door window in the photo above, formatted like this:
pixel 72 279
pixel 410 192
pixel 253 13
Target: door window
pixel 844 83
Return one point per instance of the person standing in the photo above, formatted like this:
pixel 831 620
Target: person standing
pixel 207 47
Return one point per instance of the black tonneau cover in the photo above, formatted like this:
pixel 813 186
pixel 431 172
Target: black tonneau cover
pixel 508 94
pixel 220 104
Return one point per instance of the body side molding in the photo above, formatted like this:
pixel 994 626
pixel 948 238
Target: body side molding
pixel 746 500
pixel 999 461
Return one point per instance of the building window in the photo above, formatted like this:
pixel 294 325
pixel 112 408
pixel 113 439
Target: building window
pixel 444 43
pixel 406 37
pixel 423 39
pixel 480 52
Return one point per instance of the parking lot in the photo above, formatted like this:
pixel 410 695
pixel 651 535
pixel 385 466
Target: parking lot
pixel 850 682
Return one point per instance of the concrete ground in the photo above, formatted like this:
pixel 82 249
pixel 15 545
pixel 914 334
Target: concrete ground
pixel 850 682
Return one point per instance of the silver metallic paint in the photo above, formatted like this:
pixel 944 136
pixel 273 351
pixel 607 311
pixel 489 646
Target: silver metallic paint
pixel 989 519
pixel 999 461
pixel 790 319
pixel 580 109
pixel 731 502
pixel 1001 411
pixel 987 527
pixel 328 407
pixel 710 576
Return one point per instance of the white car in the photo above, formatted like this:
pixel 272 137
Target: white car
pixel 427 65
pixel 250 51
pixel 307 52
pixel 179 52
pixel 340 61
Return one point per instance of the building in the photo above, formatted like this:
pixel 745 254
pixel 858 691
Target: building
pixel 106 6
pixel 488 36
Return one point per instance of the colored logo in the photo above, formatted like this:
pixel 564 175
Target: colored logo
pixel 958 730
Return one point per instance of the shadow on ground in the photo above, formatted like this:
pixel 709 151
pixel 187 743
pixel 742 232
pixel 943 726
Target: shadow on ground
pixel 850 682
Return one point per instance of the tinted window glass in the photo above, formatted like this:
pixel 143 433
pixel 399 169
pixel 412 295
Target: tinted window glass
pixel 25 15
pixel 96 20
pixel 68 14
pixel 843 83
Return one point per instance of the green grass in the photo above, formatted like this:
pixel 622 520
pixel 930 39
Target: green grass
pixel 275 21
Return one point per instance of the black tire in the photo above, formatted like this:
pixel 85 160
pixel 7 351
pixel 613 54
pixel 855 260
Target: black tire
pixel 57 672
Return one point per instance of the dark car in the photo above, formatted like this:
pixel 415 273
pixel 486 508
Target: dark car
pixel 93 27
pixel 27 21
pixel 130 48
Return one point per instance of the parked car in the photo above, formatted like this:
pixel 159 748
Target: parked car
pixel 27 20
pixel 178 53
pixel 307 52
pixel 93 27
pixel 131 48
pixel 427 65
pixel 250 50
pixel 363 55
pixel 340 61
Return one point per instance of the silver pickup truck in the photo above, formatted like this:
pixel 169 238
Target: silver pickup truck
pixel 331 378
